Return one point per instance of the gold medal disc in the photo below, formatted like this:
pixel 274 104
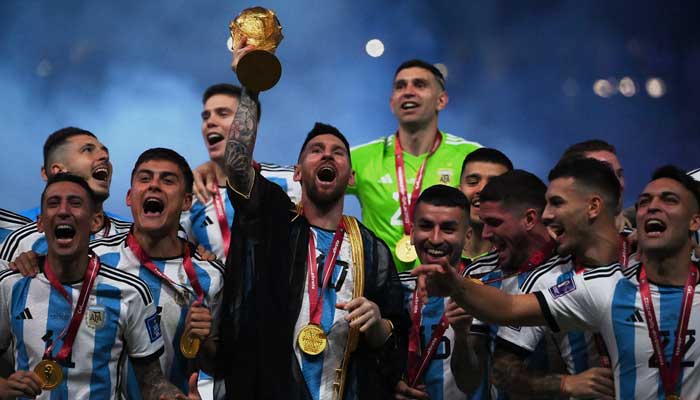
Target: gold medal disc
pixel 405 251
pixel 312 340
pixel 50 374
pixel 189 346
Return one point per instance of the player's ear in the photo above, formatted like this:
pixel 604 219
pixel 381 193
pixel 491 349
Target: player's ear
pixel 351 181
pixel 43 174
pixel 531 219
pixel 442 100
pixel 695 222
pixel 595 206
pixel 128 198
pixel 187 202
pixel 57 168
pixel 97 221
pixel 40 224
pixel 297 173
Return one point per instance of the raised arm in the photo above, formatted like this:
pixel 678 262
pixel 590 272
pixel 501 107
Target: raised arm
pixel 241 138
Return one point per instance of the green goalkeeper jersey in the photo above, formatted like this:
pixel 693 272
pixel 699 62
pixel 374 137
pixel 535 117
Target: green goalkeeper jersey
pixel 377 189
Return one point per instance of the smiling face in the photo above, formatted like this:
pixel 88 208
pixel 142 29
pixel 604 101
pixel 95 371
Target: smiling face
pixel 565 215
pixel 438 233
pixel 157 197
pixel 506 231
pixel 666 214
pixel 67 218
pixel 475 176
pixel 217 117
pixel 86 157
pixel 324 169
pixel 416 97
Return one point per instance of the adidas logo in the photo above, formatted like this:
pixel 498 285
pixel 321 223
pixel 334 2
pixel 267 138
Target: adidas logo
pixel 636 316
pixel 24 314
pixel 386 179
pixel 207 221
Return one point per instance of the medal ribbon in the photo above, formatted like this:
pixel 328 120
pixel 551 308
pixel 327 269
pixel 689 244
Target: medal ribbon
pixel 316 295
pixel 146 261
pixel 406 207
pixel 534 261
pixel 221 217
pixel 669 373
pixel 69 333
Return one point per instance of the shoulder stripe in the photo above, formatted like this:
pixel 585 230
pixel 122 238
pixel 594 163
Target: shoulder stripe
pixel 543 270
pixel 602 272
pixel 9 216
pixel 13 240
pixel 406 276
pixel 129 279
pixel 216 264
pixel 632 270
pixel 7 273
pixel 488 262
pixel 693 172
pixel 109 241
pixel 276 167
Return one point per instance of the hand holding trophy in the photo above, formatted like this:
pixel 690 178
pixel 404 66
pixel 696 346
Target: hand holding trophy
pixel 258 69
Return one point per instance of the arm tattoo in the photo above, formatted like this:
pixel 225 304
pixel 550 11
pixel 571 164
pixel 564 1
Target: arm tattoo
pixel 151 380
pixel 241 142
pixel 510 374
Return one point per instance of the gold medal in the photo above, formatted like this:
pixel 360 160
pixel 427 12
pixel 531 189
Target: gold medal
pixel 189 346
pixel 405 251
pixel 673 397
pixel 312 340
pixel 50 374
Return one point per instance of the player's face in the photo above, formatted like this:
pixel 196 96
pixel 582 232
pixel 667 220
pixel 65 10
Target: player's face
pixel 666 214
pixel 417 96
pixel 565 215
pixel 475 176
pixel 67 218
pixel 157 197
pixel 506 232
pixel 217 118
pixel 324 169
pixel 610 159
pixel 438 234
pixel 87 158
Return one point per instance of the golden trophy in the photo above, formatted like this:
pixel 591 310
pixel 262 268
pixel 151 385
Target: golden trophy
pixel 258 70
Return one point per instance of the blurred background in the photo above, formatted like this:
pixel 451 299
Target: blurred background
pixel 527 77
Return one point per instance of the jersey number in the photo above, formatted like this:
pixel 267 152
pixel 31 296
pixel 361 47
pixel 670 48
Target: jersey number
pixel 665 340
pixel 443 341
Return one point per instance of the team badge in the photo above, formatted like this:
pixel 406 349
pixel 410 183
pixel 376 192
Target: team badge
pixel 95 317
pixel 445 176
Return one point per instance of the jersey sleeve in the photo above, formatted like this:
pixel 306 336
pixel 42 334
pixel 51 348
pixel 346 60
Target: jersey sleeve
pixel 524 337
pixel 143 333
pixel 576 303
pixel 5 334
pixel 185 229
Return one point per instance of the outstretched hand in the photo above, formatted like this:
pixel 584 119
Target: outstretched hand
pixel 435 280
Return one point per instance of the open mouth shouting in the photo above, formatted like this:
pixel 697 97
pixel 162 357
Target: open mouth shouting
pixel 101 173
pixel 409 105
pixel 214 138
pixel 326 174
pixel 153 207
pixel 654 227
pixel 64 233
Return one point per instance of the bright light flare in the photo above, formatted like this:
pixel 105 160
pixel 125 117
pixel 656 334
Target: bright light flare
pixel 627 87
pixel 375 48
pixel 604 88
pixel 656 87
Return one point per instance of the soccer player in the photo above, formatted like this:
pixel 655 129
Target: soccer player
pixel 582 200
pixel 477 168
pixel 78 152
pixel 186 288
pixel 390 172
pixel 647 315
pixel 605 152
pixel 307 288
pixel 207 222
pixel 70 328
pixel 440 222
pixel 510 208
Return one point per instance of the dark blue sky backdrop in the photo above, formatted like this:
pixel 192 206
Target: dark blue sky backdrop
pixel 521 77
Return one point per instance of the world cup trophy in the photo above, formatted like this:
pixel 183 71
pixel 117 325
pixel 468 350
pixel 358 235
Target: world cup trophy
pixel 258 70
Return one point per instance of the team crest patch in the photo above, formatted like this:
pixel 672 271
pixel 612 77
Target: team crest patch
pixel 153 327
pixel 563 287
pixel 445 176
pixel 95 317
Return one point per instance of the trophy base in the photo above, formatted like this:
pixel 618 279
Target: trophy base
pixel 259 70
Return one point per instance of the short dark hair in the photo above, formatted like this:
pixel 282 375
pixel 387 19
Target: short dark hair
pixel 516 188
pixel 678 175
pixel 160 153
pixel 425 65
pixel 58 139
pixel 594 174
pixel 580 149
pixel 324 129
pixel 228 90
pixel 67 177
pixel 443 196
pixel 489 155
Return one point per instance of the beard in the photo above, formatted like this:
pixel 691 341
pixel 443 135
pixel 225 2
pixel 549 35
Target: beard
pixel 323 200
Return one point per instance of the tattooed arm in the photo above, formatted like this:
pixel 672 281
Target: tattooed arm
pixel 242 136
pixel 153 384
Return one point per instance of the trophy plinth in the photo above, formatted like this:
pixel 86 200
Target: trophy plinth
pixel 260 69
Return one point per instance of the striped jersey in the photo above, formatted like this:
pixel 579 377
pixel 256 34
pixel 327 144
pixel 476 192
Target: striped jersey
pixel 28 238
pixel 319 371
pixel 376 186
pixel 607 299
pixel 172 304
pixel 9 222
pixel 201 224
pixel 577 348
pixel 438 378
pixel 695 174
pixel 120 321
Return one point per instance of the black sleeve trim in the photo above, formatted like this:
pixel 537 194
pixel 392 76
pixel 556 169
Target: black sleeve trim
pixel 511 347
pixel 546 312
pixel 149 358
pixel 480 329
